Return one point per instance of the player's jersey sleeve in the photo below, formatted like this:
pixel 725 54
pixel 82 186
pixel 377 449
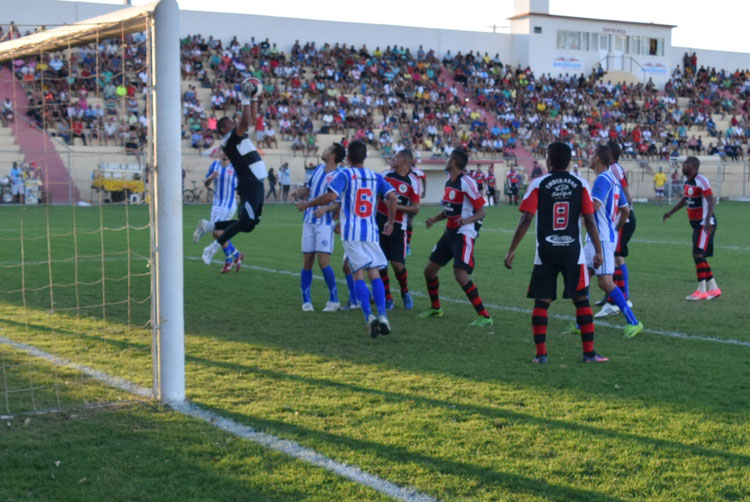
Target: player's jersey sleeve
pixel 530 201
pixel 211 170
pixel 414 195
pixel 469 187
pixel 602 186
pixel 383 187
pixel 338 183
pixel 704 185
pixel 587 203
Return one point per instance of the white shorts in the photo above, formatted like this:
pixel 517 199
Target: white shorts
pixel 361 254
pixel 608 252
pixel 317 238
pixel 219 213
pixel 17 188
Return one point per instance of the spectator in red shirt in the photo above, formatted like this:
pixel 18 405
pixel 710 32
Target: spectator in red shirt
pixel 77 128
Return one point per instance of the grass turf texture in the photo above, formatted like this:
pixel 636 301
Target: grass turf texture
pixel 456 412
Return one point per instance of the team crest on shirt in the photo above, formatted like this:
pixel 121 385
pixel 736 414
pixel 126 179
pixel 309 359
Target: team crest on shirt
pixel 451 195
pixel 402 188
pixel 690 191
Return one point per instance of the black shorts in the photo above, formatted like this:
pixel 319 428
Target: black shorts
pixel 626 232
pixel 513 190
pixel 703 244
pixel 456 247
pixel 394 245
pixel 480 186
pixel 490 191
pixel 543 283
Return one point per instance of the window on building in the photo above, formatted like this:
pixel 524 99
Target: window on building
pixel 537 29
pixel 569 40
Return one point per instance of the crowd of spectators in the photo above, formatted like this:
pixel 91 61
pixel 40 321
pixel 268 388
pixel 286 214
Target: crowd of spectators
pixel 392 99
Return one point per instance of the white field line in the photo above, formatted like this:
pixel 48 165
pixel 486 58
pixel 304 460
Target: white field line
pixel 672 334
pixel 269 441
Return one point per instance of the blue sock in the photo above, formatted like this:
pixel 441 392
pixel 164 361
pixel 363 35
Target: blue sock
pixel 352 290
pixel 228 254
pixel 378 291
pixel 305 284
pixel 330 278
pixel 364 297
pixel 619 299
pixel 625 279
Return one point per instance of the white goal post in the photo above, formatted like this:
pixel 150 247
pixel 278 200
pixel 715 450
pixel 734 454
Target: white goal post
pixel 160 20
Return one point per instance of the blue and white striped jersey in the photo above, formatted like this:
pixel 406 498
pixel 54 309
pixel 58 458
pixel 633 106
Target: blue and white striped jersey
pixel 225 184
pixel 318 185
pixel 608 191
pixel 358 189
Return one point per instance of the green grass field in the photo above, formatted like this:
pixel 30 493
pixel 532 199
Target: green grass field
pixel 456 412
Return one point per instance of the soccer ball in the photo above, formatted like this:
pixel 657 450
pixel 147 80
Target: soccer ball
pixel 252 87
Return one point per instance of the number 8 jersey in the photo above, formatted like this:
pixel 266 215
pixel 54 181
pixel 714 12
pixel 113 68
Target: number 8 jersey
pixel 560 199
pixel 358 189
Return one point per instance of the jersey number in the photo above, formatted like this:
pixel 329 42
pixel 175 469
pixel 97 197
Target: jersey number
pixel 560 215
pixel 363 206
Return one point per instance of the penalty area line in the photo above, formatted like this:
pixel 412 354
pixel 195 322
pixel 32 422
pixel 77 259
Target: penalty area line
pixel 266 440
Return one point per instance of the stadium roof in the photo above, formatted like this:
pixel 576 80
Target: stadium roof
pixel 544 14
pixel 114 24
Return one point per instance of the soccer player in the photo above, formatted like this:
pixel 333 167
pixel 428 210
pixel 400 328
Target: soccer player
pixel 479 178
pixel 463 210
pixel 514 180
pixel 358 188
pixel 224 178
pixel 251 171
pixel 393 245
pixel 491 186
pixel 422 178
pixel 610 212
pixel 621 277
pixel 317 229
pixel 700 202
pixel 560 199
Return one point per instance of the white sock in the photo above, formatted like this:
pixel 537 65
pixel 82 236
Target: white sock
pixel 712 284
pixel 702 286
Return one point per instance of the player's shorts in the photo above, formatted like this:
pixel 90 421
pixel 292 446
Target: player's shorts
pixel 219 213
pixel 480 186
pixel 626 232
pixel 513 190
pixel 703 243
pixel 659 192
pixel 250 206
pixel 608 253
pixel 456 247
pixel 491 191
pixel 543 283
pixel 317 238
pixel 17 188
pixel 364 254
pixel 394 245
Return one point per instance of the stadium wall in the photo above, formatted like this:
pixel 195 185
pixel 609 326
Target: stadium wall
pixel 283 31
pixel 729 61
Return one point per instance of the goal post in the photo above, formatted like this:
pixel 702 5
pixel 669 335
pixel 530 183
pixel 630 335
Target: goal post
pixel 167 248
pixel 160 21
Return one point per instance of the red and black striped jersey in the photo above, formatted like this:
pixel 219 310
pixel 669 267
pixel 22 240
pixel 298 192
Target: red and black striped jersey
pixel 558 199
pixel 695 191
pixel 407 190
pixel 461 199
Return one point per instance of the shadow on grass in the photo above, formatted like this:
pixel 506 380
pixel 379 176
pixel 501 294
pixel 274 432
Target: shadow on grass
pixel 398 397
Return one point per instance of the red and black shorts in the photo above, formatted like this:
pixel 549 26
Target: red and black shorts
pixel 703 243
pixel 456 247
pixel 394 245
pixel 626 232
pixel 543 283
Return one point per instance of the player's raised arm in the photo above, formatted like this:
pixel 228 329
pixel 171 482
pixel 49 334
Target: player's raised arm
pixel 252 88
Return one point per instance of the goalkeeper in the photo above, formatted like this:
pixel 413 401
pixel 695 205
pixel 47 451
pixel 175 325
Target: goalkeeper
pixel 251 171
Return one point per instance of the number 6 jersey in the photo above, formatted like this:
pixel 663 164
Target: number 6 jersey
pixel 358 189
pixel 558 199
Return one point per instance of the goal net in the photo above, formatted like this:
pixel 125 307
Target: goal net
pixel 91 202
